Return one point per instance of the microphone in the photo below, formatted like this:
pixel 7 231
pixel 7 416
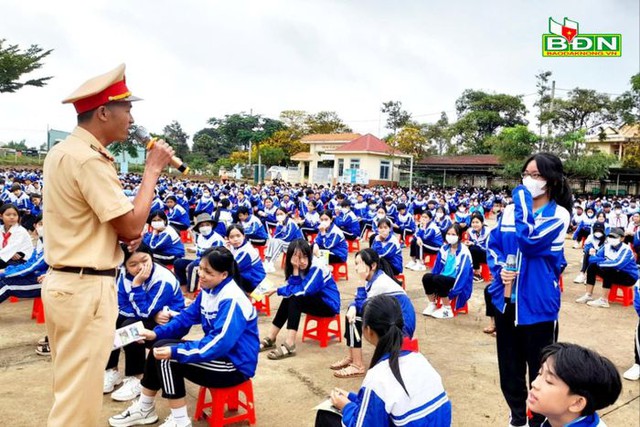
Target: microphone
pixel 142 136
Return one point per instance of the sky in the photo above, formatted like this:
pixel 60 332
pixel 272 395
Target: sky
pixel 193 60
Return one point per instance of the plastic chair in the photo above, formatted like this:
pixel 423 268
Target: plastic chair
pixel 185 236
pixel 354 245
pixel 464 309
pixel 263 306
pixel 621 295
pixel 322 331
pixel 230 397
pixel 402 280
pixel 340 271
pixel 432 260
pixel 261 250
pixel 312 238
pixel 13 299
pixel 485 272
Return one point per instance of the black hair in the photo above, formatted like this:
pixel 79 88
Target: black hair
pixel 235 226
pixel 402 206
pixel 457 229
pixel 221 259
pixel 586 373
pixel 370 257
pixel 428 213
pixel 303 246
pixel 383 315
pixel 477 215
pixel 327 212
pixel 340 196
pixel 222 204
pixel 386 221
pixel 8 206
pixel 313 203
pixel 550 167
pixel 345 203
pixel 159 213
pixel 243 210
pixel 127 254
pixel 172 198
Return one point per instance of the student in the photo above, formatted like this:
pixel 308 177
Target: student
pixel 633 373
pixel 347 221
pixel 427 241
pixel 25 280
pixel 584 227
pixel 406 225
pixel 286 232
pixel 572 384
pixel 164 241
pixel 391 209
pixel 594 242
pixel 377 276
pixel 310 289
pixel 331 238
pixel 20 199
pixel 442 220
pixel 527 301
pixel 226 356
pixel 222 217
pixel 400 388
pixel 614 263
pixel 247 257
pixel 16 246
pixel 617 218
pixel 178 216
pixel 309 222
pixel 368 218
pixel 147 292
pixel 387 245
pixel 477 244
pixel 205 203
pixel 268 214
pixel 254 230
pixel 462 217
pixel 452 277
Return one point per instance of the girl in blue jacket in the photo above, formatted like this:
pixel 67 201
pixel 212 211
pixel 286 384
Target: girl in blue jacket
pixel 286 232
pixel 164 240
pixel 406 225
pixel 309 289
pixel 254 230
pixel 331 238
pixel 477 244
pixel 377 276
pixel 401 387
pixel 247 258
pixel 452 277
pixel 178 216
pixel 347 221
pixel 594 242
pixel 387 245
pixel 442 220
pixel 227 354
pixel 526 295
pixel 427 240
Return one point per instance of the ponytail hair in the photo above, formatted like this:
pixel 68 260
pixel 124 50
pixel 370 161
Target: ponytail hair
pixel 550 167
pixel 221 260
pixel 371 257
pixel 383 315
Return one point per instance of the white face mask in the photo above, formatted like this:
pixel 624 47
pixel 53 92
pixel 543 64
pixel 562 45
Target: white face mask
pixel 157 225
pixel 206 195
pixel 380 216
pixel 205 230
pixel 339 209
pixel 439 215
pixel 452 240
pixel 613 241
pixel 461 209
pixel 325 224
pixel 535 186
pixel 618 211
pixel 40 231
pixel 280 218
pixel 598 235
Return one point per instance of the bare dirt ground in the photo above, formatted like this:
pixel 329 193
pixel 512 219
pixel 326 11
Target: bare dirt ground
pixel 285 391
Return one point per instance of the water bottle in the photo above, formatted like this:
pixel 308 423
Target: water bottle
pixel 510 265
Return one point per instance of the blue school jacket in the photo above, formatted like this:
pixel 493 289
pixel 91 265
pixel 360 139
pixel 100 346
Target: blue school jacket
pixel 317 282
pixel 390 250
pixel 288 231
pixel 620 259
pixel 392 212
pixel 406 222
pixel 462 217
pixel 383 402
pixel 348 222
pixel 479 238
pixel 165 243
pixel 463 286
pixel 254 229
pixel 249 265
pixel 430 235
pixel 35 265
pixel 537 241
pixel 230 325
pixel 333 240
pixel 161 289
pixel 204 205
pixel 592 420
pixel 179 214
pixel 443 224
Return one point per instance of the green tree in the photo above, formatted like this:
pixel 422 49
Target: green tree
pixel 439 134
pixel 481 115
pixel 130 146
pixel 15 63
pixel 325 122
pixel 593 166
pixel 513 145
pixel 410 140
pixel 272 155
pixel 18 146
pixel 287 140
pixel 396 116
pixel 295 122
pixel 204 146
pixel 177 138
pixel 583 109
pixel 627 105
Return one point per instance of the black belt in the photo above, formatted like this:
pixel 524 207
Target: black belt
pixel 86 270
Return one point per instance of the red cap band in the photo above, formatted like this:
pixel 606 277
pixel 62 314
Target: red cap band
pixel 114 92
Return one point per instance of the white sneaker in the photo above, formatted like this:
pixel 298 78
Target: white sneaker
pixel 134 416
pixel 584 299
pixel 431 307
pixel 633 373
pixel 130 389
pixel 443 313
pixel 269 267
pixel 600 302
pixel 170 422
pixel 411 265
pixel 419 267
pixel 580 278
pixel 112 378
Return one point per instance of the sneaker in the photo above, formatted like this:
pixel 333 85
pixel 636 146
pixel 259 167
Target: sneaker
pixel 130 389
pixel 112 378
pixel 478 279
pixel 134 416
pixel 269 267
pixel 633 373
pixel 43 349
pixel 443 313
pixel 431 307
pixel 420 267
pixel 170 422
pixel 580 278
pixel 411 265
pixel 600 302
pixel 576 245
pixel 584 299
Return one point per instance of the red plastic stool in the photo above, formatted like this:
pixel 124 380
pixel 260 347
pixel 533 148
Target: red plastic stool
pixel 401 278
pixel 284 260
pixel 561 284
pixel 13 299
pixel 464 309
pixel 354 245
pixel 185 236
pixel 432 260
pixel 624 297
pixel 367 234
pixel 261 250
pixel 322 331
pixel 229 396
pixel 37 312
pixel 485 272
pixel 263 306
pixel 312 238
pixel 407 240
pixel 339 272
pixel 410 344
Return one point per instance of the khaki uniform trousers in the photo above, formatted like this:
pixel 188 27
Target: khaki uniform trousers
pixel 81 313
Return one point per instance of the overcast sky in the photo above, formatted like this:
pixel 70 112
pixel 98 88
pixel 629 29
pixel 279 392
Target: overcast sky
pixel 192 60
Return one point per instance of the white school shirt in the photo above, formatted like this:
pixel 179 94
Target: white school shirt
pixel 20 241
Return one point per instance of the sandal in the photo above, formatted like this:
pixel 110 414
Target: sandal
pixel 489 330
pixel 342 363
pixel 282 352
pixel 351 371
pixel 266 344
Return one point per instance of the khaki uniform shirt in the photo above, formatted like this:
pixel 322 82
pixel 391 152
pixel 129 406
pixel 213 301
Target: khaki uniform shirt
pixel 81 194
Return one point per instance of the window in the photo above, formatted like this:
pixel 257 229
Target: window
pixel 385 166
pixel 355 164
pixel 340 167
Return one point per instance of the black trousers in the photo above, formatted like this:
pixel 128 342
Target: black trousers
pixel 258 242
pixel 519 347
pixel 583 233
pixel 437 284
pixel 291 309
pixel 26 286
pixel 185 271
pixel 349 236
pixel 134 352
pixel 478 256
pixel 490 310
pixel 416 252
pixel 327 419
pixel 350 332
pixel 609 276
pixel 636 347
pixel 170 375
pixel 178 225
